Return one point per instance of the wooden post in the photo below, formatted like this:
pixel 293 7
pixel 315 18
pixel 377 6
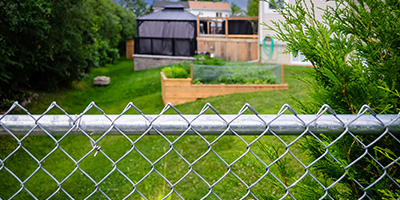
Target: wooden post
pixel 226 26
pixel 198 26
pixel 283 74
pixel 208 27
pixel 130 46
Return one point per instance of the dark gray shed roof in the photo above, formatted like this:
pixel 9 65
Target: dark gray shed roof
pixel 161 4
pixel 170 13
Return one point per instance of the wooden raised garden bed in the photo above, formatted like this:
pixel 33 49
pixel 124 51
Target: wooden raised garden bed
pixel 182 90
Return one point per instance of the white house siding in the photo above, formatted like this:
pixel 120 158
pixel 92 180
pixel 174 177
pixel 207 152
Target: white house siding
pixel 267 15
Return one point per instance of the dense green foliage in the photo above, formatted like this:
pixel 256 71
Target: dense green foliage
pixel 236 10
pixel 355 52
pixel 48 44
pixel 138 7
pixel 181 70
pixel 252 8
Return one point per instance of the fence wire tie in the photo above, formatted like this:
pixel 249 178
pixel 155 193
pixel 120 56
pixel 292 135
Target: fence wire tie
pixel 78 122
pixel 95 147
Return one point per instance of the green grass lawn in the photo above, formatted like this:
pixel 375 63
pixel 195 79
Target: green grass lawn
pixel 143 89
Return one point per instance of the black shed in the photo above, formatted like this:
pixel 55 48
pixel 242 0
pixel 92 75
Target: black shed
pixel 171 32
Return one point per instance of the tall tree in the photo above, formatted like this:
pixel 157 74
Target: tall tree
pixel 236 10
pixel 138 7
pixel 25 27
pixel 252 8
pixel 48 44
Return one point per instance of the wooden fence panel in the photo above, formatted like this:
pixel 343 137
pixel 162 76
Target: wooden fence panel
pixel 231 49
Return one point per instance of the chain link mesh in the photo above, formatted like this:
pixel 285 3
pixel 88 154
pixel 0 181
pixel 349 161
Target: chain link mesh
pixel 110 163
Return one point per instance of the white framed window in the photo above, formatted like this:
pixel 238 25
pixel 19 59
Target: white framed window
pixel 299 59
pixel 269 7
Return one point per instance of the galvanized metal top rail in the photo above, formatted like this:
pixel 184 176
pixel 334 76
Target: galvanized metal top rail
pixel 205 124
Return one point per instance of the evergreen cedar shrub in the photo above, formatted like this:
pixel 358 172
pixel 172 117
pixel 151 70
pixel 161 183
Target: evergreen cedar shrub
pixel 355 52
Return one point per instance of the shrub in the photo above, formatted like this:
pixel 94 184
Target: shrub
pixel 355 53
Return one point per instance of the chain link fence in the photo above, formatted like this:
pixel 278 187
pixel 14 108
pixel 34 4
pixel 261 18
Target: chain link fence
pixel 203 156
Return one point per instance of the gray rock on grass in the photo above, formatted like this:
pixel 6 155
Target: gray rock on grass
pixel 101 81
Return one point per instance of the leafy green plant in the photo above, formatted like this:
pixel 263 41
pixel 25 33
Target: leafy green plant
pixel 168 72
pixel 175 72
pixel 207 60
pixel 179 72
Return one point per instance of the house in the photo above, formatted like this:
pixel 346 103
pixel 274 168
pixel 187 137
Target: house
pixel 210 9
pixel 198 8
pixel 267 14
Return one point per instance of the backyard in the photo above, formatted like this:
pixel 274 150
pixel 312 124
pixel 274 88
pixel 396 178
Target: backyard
pixel 143 89
pixel 67 139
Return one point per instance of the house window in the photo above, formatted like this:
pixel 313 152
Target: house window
pixel 299 59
